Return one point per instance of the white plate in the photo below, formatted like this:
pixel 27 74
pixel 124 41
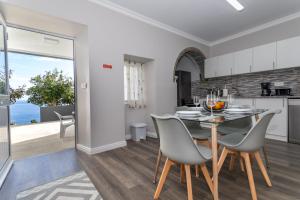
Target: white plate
pixel 238 110
pixel 188 112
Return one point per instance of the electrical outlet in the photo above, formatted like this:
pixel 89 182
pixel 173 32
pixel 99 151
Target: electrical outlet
pixel 278 84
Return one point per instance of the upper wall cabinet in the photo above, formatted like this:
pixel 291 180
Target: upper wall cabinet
pixel 264 57
pixel 288 53
pixel 211 67
pixel 242 61
pixel 226 63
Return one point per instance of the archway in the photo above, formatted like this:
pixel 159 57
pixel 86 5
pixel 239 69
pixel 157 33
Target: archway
pixel 188 69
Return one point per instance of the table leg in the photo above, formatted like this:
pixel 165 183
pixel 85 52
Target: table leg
pixel 214 141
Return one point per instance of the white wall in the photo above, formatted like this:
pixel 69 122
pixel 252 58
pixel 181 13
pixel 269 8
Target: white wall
pixel 278 32
pixel 111 35
pixel 185 64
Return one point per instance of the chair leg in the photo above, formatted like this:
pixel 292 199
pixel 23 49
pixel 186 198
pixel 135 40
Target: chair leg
pixel 207 176
pixel 242 164
pixel 197 171
pixel 189 181
pixel 262 168
pixel 182 174
pixel 250 175
pixel 222 158
pixel 232 161
pixel 266 157
pixel 165 172
pixel 158 160
pixel 62 131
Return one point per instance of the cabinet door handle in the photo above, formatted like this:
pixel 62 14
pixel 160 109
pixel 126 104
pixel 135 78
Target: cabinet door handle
pixel 231 71
pixel 273 64
pixel 250 68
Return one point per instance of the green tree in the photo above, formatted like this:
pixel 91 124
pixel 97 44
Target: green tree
pixel 51 89
pixel 16 94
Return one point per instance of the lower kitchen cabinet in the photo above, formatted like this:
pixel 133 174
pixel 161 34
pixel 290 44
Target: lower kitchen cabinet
pixel 278 128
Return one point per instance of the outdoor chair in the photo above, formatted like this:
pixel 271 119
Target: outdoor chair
pixel 65 122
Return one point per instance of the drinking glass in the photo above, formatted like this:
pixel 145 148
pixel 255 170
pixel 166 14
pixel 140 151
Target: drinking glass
pixel 230 100
pixel 211 101
pixel 196 100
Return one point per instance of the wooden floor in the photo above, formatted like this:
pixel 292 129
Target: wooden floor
pixel 126 173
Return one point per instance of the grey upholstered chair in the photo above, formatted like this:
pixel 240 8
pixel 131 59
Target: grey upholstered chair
pixel 248 145
pixel 158 159
pixel 177 144
pixel 199 134
pixel 242 126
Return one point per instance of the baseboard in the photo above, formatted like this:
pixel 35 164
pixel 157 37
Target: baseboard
pixel 276 137
pixel 5 170
pixel 101 149
pixel 152 134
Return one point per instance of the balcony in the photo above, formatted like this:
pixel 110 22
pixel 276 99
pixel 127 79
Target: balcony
pixel 39 138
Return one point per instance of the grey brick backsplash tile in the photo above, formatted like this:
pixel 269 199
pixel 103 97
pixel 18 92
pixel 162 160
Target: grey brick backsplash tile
pixel 249 84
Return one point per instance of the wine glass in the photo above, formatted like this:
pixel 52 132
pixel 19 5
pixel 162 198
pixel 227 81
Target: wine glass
pixel 211 101
pixel 196 100
pixel 230 100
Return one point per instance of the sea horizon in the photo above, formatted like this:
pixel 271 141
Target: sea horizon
pixel 22 113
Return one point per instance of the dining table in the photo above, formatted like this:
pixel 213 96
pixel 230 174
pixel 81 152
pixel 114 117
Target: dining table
pixel 213 120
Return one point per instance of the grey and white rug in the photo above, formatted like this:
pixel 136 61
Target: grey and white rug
pixel 75 187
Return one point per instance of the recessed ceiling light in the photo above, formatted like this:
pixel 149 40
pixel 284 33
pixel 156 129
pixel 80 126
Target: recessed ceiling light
pixel 237 5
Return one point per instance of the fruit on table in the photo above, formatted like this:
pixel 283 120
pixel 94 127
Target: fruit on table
pixel 219 105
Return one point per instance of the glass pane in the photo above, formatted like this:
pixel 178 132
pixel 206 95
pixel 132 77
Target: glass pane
pixel 4 142
pixel 2 62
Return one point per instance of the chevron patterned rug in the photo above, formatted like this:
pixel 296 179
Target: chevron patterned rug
pixel 75 187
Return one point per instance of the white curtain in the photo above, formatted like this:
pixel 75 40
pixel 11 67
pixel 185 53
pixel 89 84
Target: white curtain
pixel 134 84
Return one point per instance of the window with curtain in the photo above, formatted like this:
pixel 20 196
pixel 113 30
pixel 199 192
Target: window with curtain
pixel 134 84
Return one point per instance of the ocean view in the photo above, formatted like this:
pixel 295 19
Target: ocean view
pixel 22 113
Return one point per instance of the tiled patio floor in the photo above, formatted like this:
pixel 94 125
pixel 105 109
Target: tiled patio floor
pixel 41 138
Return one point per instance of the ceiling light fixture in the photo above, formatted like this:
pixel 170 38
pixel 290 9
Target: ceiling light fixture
pixel 237 5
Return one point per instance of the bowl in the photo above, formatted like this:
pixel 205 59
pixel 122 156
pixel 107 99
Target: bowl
pixel 219 106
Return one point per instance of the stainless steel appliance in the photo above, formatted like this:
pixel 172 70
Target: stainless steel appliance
pixel 294 116
pixel 265 89
pixel 283 91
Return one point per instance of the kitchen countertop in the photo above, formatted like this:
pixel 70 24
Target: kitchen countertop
pixel 264 97
pixel 268 97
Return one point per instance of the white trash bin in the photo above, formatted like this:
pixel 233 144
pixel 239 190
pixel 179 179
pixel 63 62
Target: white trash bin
pixel 138 131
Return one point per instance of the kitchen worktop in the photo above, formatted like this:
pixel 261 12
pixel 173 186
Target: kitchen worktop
pixel 267 97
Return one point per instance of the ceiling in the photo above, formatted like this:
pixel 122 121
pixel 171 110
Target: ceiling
pixel 210 20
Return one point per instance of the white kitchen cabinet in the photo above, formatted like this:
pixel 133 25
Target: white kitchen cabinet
pixel 211 67
pixel 242 61
pixel 225 65
pixel 288 53
pixel 278 128
pixel 264 57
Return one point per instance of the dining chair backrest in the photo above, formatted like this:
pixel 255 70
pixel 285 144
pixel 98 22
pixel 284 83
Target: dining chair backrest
pixel 243 123
pixel 176 142
pixel 254 139
pixel 155 126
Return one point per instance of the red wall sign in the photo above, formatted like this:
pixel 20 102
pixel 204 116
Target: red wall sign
pixel 107 66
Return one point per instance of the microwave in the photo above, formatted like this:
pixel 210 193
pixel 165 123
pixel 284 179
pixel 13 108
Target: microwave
pixel 283 91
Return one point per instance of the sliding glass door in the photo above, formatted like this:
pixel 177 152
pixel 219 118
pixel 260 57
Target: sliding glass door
pixel 4 99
